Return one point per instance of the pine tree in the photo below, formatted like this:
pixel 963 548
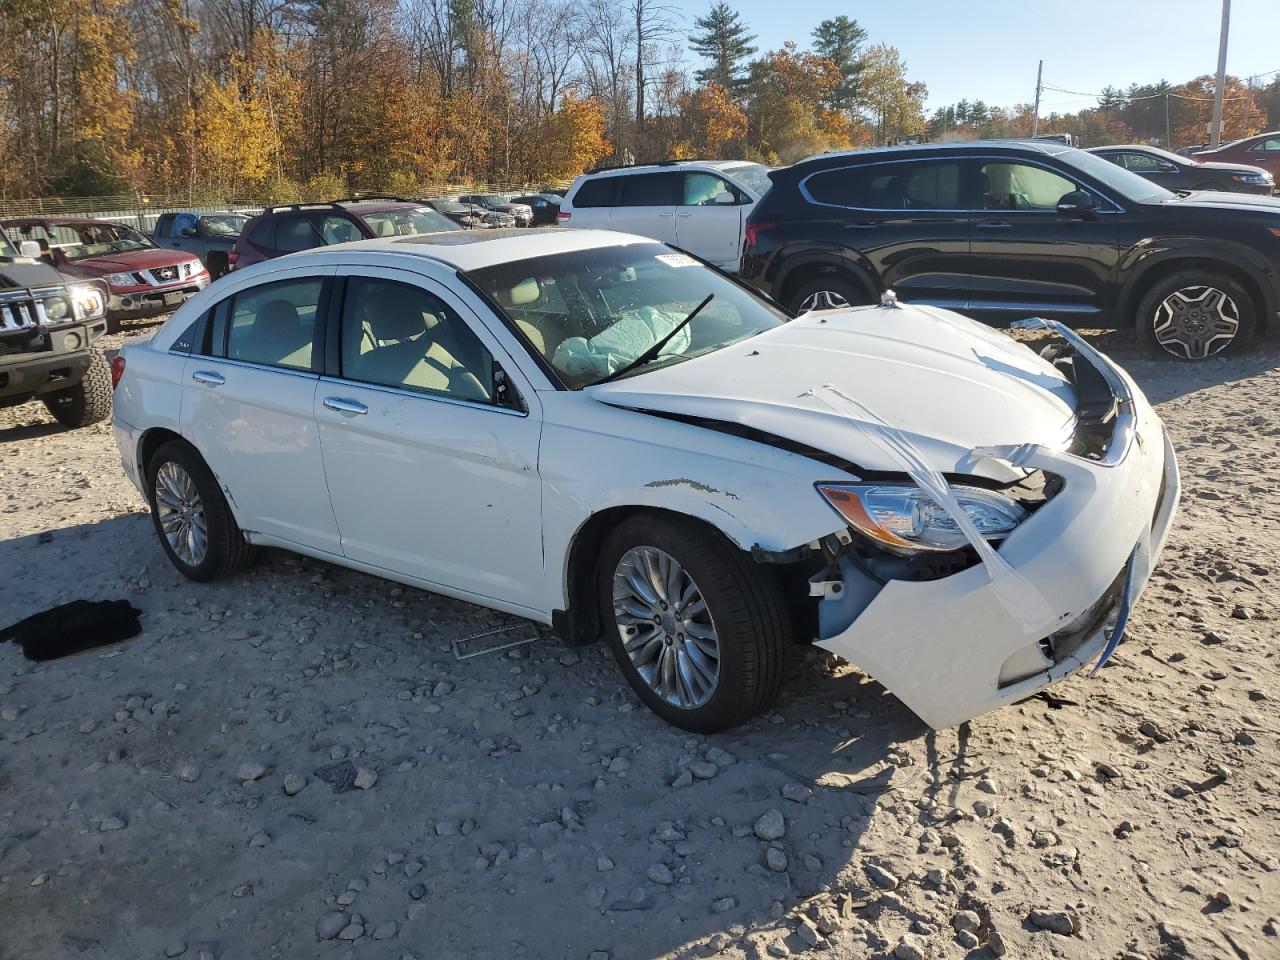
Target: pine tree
pixel 840 41
pixel 725 42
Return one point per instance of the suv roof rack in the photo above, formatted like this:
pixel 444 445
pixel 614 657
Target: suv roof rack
pixel 669 162
pixel 374 198
pixel 298 206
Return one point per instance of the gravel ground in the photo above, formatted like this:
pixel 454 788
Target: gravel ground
pixel 171 796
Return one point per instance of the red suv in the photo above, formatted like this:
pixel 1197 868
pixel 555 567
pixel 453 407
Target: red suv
pixel 144 280
pixel 301 226
pixel 1260 151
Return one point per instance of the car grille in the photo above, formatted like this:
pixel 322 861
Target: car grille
pixel 22 309
pixel 165 274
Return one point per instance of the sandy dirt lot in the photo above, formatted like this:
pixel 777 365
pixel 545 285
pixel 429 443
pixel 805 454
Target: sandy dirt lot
pixel 170 796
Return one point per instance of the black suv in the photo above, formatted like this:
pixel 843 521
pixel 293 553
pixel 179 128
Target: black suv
pixel 1006 230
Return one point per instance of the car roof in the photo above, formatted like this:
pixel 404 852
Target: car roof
pixel 381 206
pixel 32 221
pixel 1048 148
pixel 468 250
pixel 667 166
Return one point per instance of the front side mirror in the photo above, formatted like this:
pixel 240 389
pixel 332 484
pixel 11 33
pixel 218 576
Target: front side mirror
pixel 726 196
pixel 30 249
pixel 188 231
pixel 1078 204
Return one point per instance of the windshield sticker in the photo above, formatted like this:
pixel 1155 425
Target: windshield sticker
pixel 677 259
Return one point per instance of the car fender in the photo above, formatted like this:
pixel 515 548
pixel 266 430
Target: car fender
pixel 1153 253
pixel 595 457
pixel 797 258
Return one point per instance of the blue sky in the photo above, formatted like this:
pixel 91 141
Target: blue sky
pixel 987 49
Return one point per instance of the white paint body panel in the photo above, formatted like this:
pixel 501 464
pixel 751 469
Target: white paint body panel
pixel 484 504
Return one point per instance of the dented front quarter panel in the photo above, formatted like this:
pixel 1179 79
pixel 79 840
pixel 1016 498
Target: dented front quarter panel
pixel 595 456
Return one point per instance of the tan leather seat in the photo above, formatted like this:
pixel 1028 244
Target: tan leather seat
pixel 400 346
pixel 277 336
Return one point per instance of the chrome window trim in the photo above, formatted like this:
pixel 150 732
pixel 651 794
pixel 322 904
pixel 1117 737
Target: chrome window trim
pixel 424 395
pixel 1007 158
pixel 254 365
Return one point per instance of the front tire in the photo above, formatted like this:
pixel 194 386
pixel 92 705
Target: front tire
pixel 191 516
pixel 89 401
pixel 827 292
pixel 700 631
pixel 1196 314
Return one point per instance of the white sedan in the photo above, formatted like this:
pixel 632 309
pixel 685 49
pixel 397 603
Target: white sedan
pixel 595 431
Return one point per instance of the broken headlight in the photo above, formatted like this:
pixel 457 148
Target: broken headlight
pixel 904 519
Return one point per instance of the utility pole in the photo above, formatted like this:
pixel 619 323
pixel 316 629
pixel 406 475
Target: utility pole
pixel 1035 111
pixel 1215 133
pixel 1168 137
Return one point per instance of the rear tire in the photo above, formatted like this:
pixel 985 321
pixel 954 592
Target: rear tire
pixel 89 401
pixel 827 292
pixel 1196 314
pixel 191 516
pixel 725 620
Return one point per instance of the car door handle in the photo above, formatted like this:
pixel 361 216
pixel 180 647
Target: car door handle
pixel 993 225
pixel 859 224
pixel 684 214
pixel 345 406
pixel 209 377
pixel 666 213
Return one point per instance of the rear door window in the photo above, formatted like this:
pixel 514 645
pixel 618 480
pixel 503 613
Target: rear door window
pixel 906 185
pixel 652 190
pixel 264 234
pixel 601 192
pixel 274 324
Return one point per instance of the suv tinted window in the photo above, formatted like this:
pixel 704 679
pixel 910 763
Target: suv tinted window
pixel 398 335
pixel 264 234
pixel 601 192
pixel 1020 186
pixel 904 185
pixel 651 190
pixel 274 324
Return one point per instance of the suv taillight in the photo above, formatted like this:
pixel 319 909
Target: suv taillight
pixel 117 370
pixel 561 216
pixel 754 230
pixel 232 257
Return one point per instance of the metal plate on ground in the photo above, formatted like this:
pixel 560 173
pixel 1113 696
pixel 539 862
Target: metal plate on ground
pixel 491 641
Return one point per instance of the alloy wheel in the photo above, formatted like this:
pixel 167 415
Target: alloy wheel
pixel 1196 322
pixel 181 514
pixel 823 300
pixel 666 628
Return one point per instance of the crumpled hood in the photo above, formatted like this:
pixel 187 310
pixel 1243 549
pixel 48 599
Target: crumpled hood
pixel 949 383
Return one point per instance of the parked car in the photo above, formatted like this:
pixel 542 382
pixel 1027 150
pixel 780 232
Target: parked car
pixel 210 236
pixel 495 201
pixel 143 280
pixel 599 432
pixel 1191 150
pixel 302 226
pixel 1183 173
pixel 698 206
pixel 545 208
pixel 1004 230
pixel 49 331
pixel 469 214
pixel 1260 151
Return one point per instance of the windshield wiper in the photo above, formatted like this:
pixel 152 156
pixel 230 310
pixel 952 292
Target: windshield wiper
pixel 653 351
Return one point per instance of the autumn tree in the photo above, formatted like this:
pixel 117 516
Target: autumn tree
pixel 895 106
pixel 726 44
pixel 785 93
pixel 840 40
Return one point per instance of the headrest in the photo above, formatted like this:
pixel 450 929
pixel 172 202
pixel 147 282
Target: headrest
pixel 523 293
pixel 394 311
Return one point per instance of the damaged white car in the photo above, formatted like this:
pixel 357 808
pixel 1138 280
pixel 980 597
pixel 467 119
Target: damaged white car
pixel 595 431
